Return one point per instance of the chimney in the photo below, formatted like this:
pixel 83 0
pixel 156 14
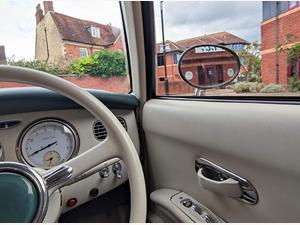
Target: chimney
pixel 48 6
pixel 2 55
pixel 38 14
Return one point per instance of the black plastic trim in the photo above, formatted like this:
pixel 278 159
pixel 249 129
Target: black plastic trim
pixel 32 99
pixel 149 43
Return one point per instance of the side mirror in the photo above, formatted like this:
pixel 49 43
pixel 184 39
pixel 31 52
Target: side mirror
pixel 208 66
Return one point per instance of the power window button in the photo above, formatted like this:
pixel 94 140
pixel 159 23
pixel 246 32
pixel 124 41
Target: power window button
pixel 187 202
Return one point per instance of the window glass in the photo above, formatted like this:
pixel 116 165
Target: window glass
pixel 83 52
pixel 95 32
pixel 176 57
pixel 81 41
pixel 160 60
pixel 268 49
pixel 293 4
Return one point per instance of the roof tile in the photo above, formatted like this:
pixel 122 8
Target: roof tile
pixel 74 29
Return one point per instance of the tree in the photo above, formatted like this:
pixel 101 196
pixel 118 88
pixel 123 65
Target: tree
pixel 293 57
pixel 105 63
pixel 251 60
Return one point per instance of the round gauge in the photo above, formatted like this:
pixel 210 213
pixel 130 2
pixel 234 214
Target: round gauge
pixel 47 143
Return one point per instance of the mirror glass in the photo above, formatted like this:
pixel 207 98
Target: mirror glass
pixel 208 66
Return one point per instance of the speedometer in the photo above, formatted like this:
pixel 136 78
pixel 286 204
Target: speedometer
pixel 47 143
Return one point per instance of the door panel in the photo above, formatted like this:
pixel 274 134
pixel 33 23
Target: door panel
pixel 259 142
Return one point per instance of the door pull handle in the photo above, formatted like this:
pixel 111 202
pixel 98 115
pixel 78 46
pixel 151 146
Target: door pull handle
pixel 227 186
pixel 219 180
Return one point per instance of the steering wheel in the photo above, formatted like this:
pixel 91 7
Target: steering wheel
pixel 24 193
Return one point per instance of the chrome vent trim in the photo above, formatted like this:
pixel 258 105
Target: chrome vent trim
pixel 100 132
pixel 1 153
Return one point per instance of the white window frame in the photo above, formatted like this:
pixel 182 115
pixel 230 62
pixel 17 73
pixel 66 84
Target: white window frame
pixel 95 31
pixel 86 53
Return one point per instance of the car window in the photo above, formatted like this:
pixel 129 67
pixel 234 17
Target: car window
pixel 264 34
pixel 79 41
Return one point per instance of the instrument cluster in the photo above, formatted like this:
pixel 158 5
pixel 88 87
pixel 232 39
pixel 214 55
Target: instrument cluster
pixel 47 142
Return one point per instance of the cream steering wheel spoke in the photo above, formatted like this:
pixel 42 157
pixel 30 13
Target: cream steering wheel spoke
pixel 63 174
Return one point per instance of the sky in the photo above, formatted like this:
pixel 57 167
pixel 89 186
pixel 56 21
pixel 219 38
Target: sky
pixel 17 20
pixel 182 20
pixel 191 19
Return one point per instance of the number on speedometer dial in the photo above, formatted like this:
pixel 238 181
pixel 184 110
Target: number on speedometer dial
pixel 47 143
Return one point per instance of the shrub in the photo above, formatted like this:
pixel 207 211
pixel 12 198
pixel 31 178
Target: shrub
pixel 245 87
pixel 293 84
pixel 241 87
pixel 254 79
pixel 104 63
pixel 82 66
pixel 293 55
pixel 271 88
pixel 255 87
pixel 37 65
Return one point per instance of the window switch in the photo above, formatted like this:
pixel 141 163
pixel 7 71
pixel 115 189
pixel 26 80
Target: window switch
pixel 187 202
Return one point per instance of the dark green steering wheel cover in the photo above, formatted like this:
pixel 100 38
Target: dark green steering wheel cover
pixel 18 198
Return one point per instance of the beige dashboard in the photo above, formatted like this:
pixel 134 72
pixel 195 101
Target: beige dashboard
pixel 83 123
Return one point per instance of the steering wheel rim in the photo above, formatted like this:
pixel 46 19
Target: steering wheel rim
pixel 95 155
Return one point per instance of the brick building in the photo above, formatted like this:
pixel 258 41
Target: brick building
pixel 174 50
pixel 280 27
pixel 61 38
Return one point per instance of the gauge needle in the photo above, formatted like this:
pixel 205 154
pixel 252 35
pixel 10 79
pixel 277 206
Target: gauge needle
pixel 43 148
pixel 50 160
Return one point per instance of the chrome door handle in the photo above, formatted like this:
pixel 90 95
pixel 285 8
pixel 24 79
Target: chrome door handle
pixel 213 175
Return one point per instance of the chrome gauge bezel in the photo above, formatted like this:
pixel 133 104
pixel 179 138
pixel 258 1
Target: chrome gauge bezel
pixel 75 136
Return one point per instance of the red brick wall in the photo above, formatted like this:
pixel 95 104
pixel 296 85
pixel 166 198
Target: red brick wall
pixel 118 45
pixel 113 84
pixel 268 68
pixel 175 88
pixel 172 69
pixel 73 51
pixel 287 25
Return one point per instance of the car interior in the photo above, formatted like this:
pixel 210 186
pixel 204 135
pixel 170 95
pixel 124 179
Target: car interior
pixel 142 157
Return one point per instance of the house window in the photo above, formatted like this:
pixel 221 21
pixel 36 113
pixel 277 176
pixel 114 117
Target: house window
pixel 160 60
pixel 95 31
pixel 293 4
pixel 176 57
pixel 83 52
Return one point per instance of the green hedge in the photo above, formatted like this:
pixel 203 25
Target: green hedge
pixel 38 65
pixel 104 63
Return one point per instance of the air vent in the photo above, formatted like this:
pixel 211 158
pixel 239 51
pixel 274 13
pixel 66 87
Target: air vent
pixel 9 124
pixel 100 131
pixel 123 122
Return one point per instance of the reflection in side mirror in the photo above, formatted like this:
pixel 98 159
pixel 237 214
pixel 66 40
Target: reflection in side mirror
pixel 208 66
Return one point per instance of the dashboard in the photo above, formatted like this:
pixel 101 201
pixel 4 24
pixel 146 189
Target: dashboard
pixel 44 139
